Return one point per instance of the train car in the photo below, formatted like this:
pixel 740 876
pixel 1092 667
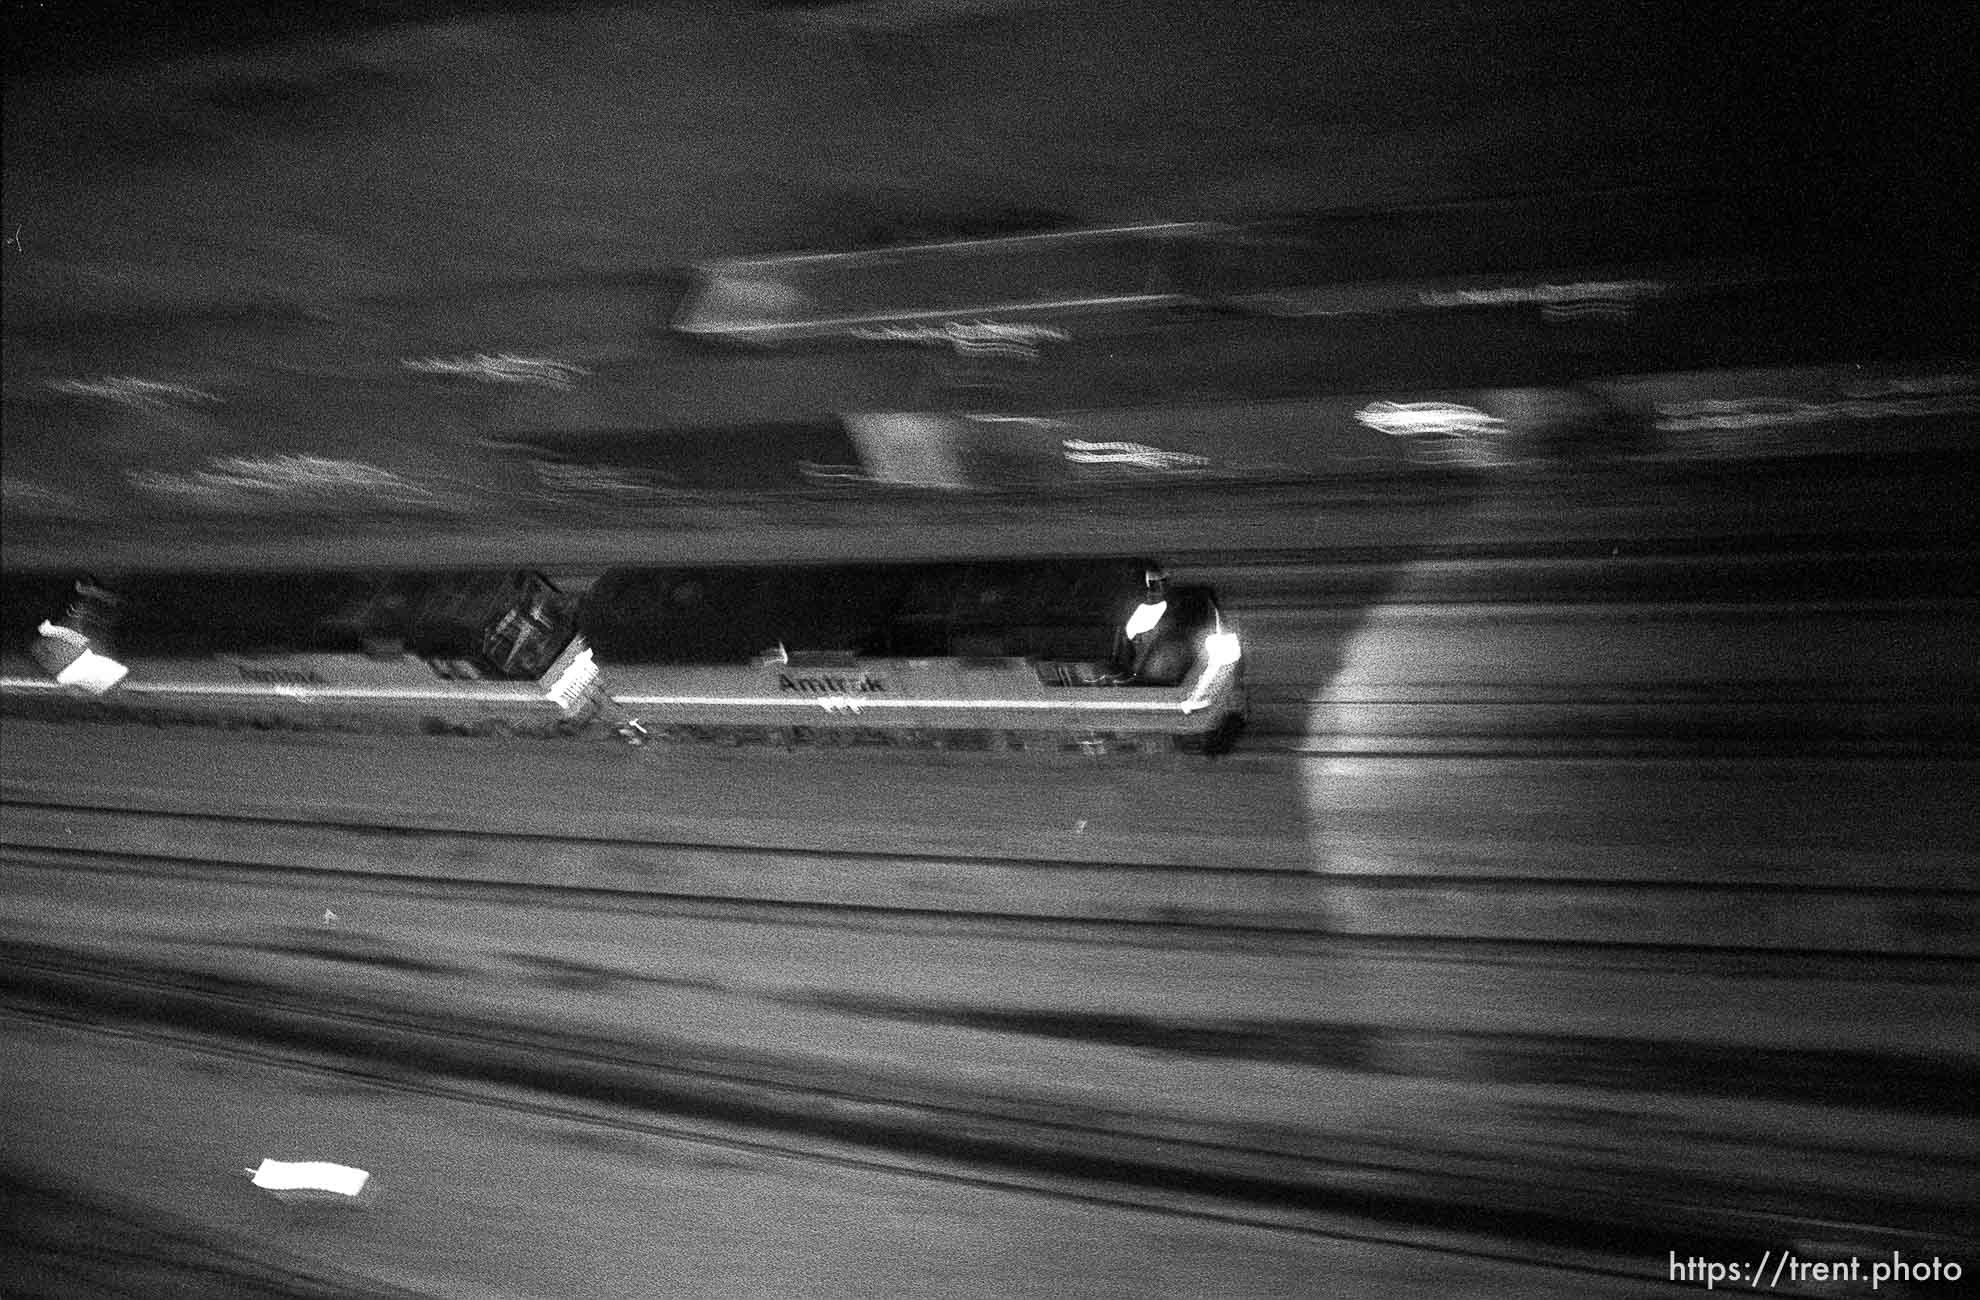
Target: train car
pixel 458 648
pixel 1031 652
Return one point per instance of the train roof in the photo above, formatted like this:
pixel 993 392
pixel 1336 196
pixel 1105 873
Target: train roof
pixel 731 615
pixel 200 614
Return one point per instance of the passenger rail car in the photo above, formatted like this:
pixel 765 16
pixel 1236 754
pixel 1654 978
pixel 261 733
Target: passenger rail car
pixel 456 647
pixel 1026 651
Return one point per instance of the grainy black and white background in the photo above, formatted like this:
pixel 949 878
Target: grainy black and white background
pixel 1594 889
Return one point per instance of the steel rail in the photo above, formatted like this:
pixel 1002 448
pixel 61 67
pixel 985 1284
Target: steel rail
pixel 1467 1218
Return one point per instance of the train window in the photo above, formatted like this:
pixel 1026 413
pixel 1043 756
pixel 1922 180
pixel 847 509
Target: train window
pixel 1066 611
pixel 989 615
pixel 1164 660
pixel 990 598
pixel 93 611
pixel 1165 652
pixel 511 646
pixel 1058 672
pixel 919 625
pixel 820 659
pixel 543 605
pixel 1071 611
pixel 526 637
pixel 449 618
pixel 982 646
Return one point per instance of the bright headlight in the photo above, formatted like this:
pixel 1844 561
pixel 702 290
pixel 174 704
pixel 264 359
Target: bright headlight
pixel 92 672
pixel 1221 648
pixel 1145 617
pixel 65 653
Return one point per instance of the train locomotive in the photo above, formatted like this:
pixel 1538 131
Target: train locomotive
pixel 1025 651
pixel 453 648
pixel 1029 652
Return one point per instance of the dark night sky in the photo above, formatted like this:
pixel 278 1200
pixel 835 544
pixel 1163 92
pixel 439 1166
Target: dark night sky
pixel 1847 117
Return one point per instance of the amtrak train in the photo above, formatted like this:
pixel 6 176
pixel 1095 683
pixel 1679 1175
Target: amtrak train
pixel 1046 652
pixel 1100 649
pixel 452 647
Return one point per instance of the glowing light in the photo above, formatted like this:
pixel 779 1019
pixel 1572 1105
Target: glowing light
pixel 1409 419
pixel 1145 617
pixel 506 368
pixel 92 672
pixel 66 653
pixel 1221 649
pixel 1080 452
pixel 576 681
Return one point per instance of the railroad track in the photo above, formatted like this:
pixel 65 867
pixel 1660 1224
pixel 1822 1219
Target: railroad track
pixel 136 956
pixel 1925 919
pixel 1468 1218
pixel 1649 725
pixel 1838 921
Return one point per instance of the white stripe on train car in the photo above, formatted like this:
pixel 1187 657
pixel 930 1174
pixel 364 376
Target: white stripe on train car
pixel 303 694
pixel 299 694
pixel 1221 648
pixel 1197 700
pixel 867 702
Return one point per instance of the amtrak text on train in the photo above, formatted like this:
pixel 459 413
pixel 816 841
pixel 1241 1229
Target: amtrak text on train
pixel 865 684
